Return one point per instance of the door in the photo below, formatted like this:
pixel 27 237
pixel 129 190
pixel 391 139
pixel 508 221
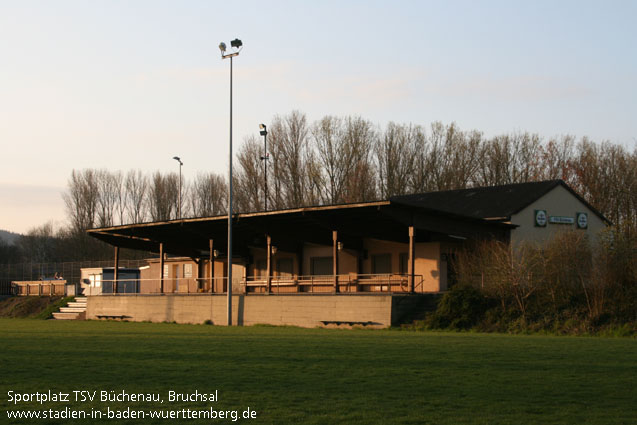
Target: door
pixel 176 277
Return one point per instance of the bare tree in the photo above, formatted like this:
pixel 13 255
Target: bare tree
pixel 447 159
pixel 557 158
pixel 120 196
pixel 343 149
pixel 249 178
pixel 288 146
pixel 81 199
pixel 107 198
pixel 38 244
pixel 395 153
pixel 606 175
pixel 163 196
pixel 136 186
pixel 360 178
pixel 329 143
pixel 208 195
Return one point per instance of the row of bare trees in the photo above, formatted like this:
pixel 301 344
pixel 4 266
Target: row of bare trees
pixel 349 159
pixel 101 198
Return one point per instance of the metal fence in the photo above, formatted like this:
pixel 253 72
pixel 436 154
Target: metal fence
pixel 70 271
pixel 348 283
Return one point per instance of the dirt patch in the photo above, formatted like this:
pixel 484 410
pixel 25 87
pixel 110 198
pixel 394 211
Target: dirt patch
pixel 25 306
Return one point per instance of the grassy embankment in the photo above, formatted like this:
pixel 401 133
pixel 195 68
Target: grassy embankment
pixel 31 307
pixel 315 376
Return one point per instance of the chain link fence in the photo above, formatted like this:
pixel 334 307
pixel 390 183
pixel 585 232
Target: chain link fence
pixel 70 271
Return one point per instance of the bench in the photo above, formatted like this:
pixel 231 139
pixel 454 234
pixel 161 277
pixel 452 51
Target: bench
pixel 112 316
pixel 346 322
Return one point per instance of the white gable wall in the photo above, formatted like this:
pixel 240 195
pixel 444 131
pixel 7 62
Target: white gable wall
pixel 557 202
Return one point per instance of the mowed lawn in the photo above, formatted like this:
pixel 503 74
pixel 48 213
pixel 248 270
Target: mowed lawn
pixel 319 376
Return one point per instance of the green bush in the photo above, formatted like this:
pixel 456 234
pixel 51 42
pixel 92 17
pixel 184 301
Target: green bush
pixel 460 308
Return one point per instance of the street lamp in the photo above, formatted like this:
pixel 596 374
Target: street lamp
pixel 236 45
pixel 176 158
pixel 264 158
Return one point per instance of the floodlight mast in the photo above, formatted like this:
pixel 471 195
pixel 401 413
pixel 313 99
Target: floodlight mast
pixel 176 158
pixel 264 158
pixel 236 44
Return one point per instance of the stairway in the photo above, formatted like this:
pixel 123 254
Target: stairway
pixel 75 310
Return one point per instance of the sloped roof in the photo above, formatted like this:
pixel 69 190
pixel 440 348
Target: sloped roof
pixel 382 220
pixel 488 202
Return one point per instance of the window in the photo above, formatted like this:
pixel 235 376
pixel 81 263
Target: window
pixel 321 265
pixel 450 259
pixel 187 270
pixel 403 264
pixel 381 263
pixel 285 267
pixel 261 268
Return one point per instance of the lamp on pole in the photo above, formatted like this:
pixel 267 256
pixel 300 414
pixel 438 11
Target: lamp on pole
pixel 264 158
pixel 236 45
pixel 176 158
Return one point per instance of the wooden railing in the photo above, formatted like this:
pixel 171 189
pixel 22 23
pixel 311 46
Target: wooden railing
pixel 325 283
pixel 39 287
pixel 347 283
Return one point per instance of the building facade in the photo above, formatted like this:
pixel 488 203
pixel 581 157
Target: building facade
pixel 403 245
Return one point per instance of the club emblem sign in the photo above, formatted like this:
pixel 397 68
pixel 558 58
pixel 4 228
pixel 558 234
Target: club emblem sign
pixel 582 220
pixel 540 218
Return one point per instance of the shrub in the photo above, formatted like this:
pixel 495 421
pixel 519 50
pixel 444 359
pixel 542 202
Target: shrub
pixel 460 308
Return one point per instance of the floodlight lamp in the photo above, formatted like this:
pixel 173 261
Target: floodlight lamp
pixel 236 43
pixel 222 47
pixel 262 126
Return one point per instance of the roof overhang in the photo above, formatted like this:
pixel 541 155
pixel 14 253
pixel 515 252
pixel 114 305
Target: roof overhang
pixel 384 220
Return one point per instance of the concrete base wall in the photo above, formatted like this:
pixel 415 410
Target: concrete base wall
pixel 379 311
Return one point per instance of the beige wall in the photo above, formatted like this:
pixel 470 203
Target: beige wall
pixel 347 259
pixel 428 266
pixel 297 310
pixel 558 202
pixel 375 247
pixel 259 254
pixel 150 282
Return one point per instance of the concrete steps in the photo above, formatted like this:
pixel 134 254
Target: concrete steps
pixel 75 310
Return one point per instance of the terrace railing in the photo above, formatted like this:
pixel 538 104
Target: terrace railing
pixel 39 288
pixel 347 283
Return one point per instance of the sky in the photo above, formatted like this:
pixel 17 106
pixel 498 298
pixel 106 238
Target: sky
pixel 128 85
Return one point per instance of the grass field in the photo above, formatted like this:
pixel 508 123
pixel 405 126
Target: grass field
pixel 317 376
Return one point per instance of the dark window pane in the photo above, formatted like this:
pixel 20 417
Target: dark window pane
pixel 284 267
pixel 381 263
pixel 321 265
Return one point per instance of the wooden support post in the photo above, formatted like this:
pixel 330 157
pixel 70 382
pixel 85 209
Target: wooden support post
pixel 268 264
pixel 411 259
pixel 335 259
pixel 212 267
pixel 198 263
pixel 116 270
pixel 161 267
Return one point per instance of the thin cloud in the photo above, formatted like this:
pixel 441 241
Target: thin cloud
pixel 517 88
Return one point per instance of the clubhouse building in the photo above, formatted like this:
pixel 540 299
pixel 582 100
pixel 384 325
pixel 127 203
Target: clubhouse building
pixel 370 263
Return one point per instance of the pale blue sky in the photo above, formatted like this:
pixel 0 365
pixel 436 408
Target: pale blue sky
pixel 130 84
